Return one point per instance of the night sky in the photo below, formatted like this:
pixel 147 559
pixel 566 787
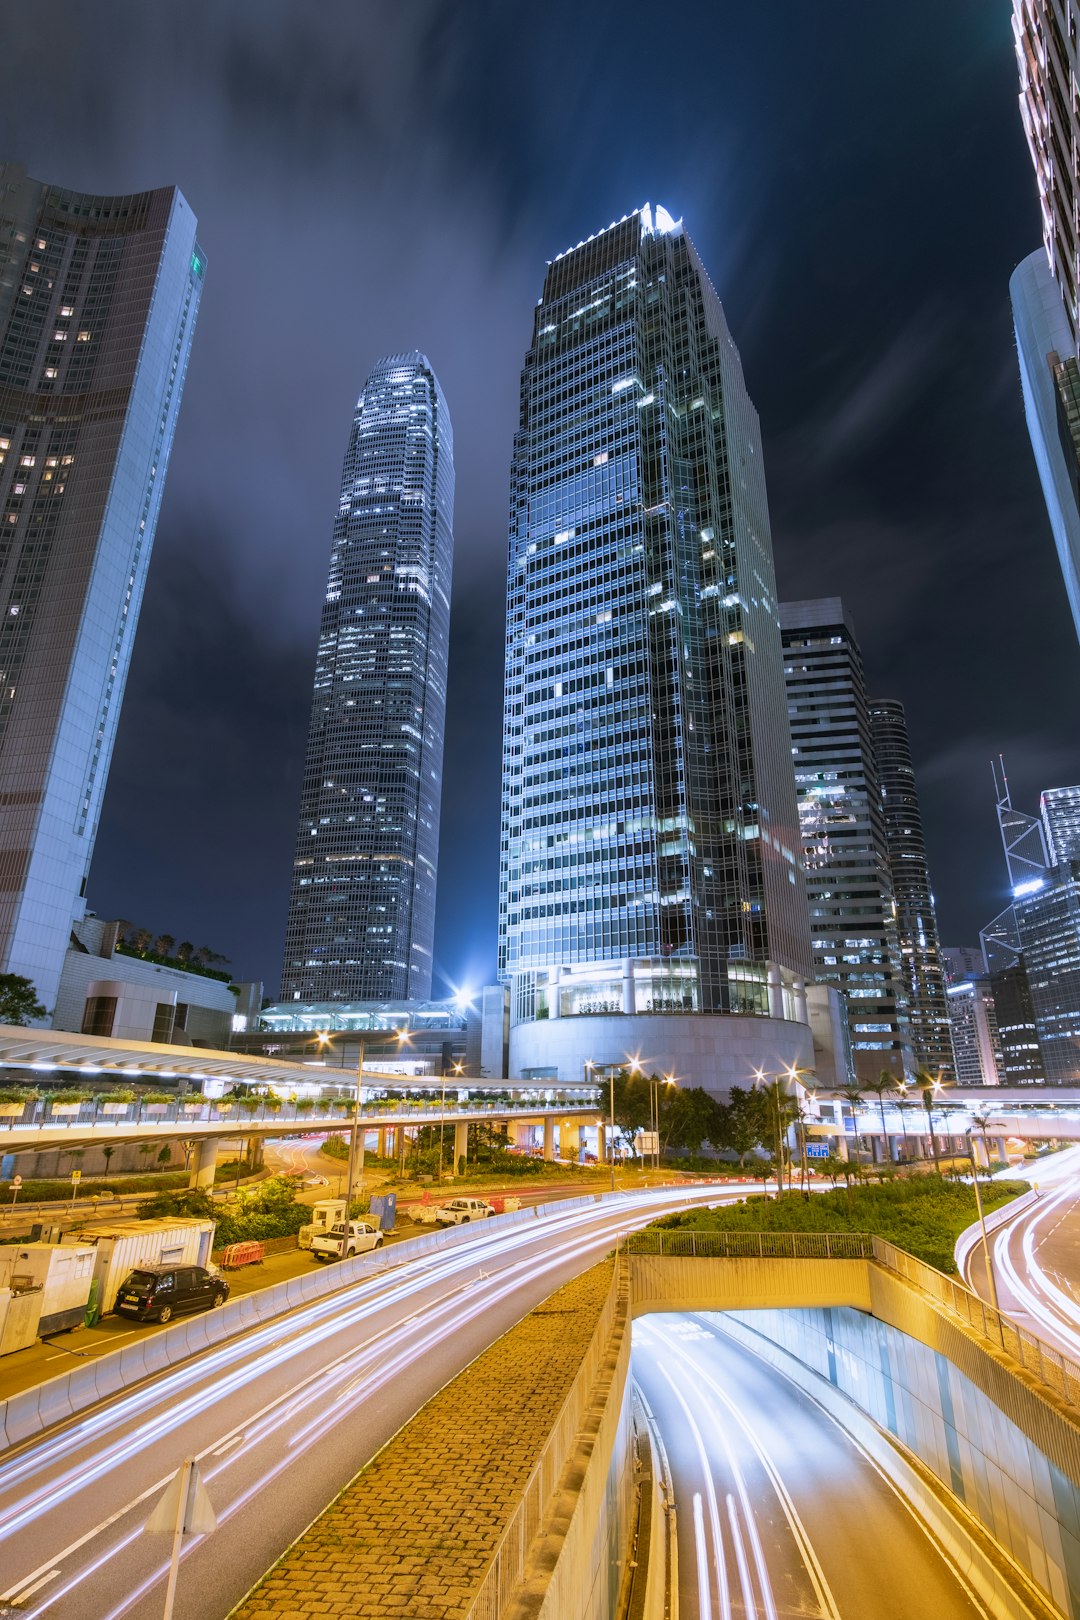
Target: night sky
pixel 378 175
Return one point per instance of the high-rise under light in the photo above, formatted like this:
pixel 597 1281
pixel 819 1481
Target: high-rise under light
pixel 916 913
pixel 362 905
pixel 98 299
pixel 651 857
pixel 853 923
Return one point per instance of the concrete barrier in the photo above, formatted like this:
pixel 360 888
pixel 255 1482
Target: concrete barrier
pixel 33 1410
pixel 971 1236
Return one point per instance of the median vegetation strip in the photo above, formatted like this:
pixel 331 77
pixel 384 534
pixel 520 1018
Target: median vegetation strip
pixel 923 1214
pixel 415 1531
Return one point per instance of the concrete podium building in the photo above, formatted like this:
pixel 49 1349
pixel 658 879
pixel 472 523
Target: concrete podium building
pixel 98 300
pixel 651 891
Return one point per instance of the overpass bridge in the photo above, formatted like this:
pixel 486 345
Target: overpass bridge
pixel 283 1098
pixel 988 1114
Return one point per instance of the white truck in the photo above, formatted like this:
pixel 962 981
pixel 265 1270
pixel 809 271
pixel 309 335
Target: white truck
pixel 461 1210
pixel 333 1244
pixel 63 1274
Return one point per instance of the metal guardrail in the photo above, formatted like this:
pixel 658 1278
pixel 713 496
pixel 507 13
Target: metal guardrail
pixel 754 1245
pixel 335 1117
pixel 1058 1373
pixel 507 1567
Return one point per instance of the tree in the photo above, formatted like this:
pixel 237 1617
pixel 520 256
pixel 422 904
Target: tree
pixel 19 1000
pixel 140 939
pixel 163 945
pixel 106 1153
pixel 165 1154
pixel 743 1123
pixel 853 1096
pixel 929 1085
pixel 184 951
pixel 886 1081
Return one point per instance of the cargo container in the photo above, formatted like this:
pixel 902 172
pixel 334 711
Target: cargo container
pixel 64 1273
pixel 122 1245
pixel 324 1214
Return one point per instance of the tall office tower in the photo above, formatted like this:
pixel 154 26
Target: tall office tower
pixel 651 857
pixel 920 949
pixel 98 299
pixel 1045 287
pixel 1038 934
pixel 1060 812
pixel 962 962
pixel 852 911
pixel 973 1026
pixel 362 905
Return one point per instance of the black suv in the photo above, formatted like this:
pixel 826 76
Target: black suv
pixel 157 1293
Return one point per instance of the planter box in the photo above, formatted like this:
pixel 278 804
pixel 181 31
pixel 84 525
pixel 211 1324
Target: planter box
pixel 59 1109
pixel 115 1108
pixel 12 1110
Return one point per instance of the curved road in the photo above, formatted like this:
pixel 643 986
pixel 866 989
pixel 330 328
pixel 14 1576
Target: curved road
pixel 1037 1257
pixel 280 1419
pixel 779 1512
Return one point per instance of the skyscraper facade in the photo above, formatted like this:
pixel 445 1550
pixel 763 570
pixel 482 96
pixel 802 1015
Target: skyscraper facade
pixel 98 301
pixel 849 887
pixel 651 857
pixel 362 905
pixel 1037 936
pixel 916 914
pixel 1045 288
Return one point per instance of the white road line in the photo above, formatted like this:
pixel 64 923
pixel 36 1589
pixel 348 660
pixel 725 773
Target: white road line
pixel 19 1594
pixel 701 1550
pixel 749 1606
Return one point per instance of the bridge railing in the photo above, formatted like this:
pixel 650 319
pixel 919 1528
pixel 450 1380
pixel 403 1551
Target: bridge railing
pixel 1059 1373
pixel 336 1115
pixel 754 1245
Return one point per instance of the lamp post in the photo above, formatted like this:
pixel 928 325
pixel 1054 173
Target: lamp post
pixel 358 1109
pixel 981 1121
pixel 459 1069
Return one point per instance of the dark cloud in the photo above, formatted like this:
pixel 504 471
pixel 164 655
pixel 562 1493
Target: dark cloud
pixel 385 176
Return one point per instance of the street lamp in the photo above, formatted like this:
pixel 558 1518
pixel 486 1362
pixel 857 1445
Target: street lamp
pixel 459 1069
pixel 669 1080
pixel 981 1120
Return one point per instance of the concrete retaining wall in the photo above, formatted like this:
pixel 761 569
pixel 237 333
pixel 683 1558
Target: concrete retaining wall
pixel 917 1393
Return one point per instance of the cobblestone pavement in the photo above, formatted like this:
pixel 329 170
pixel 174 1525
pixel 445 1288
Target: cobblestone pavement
pixel 414 1532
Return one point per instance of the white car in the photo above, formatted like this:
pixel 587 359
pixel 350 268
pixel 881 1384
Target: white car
pixel 334 1245
pixel 461 1210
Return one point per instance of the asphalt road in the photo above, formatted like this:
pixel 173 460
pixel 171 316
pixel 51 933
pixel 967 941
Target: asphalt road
pixel 778 1512
pixel 280 1419
pixel 1036 1257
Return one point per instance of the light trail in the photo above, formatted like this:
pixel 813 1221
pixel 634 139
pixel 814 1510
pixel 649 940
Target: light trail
pixel 50 1483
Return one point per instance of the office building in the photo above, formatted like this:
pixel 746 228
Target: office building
pixel 962 962
pixel 651 889
pixel 1045 287
pixel 362 904
pixel 1037 937
pixel 916 915
pixel 973 1026
pixel 98 301
pixel 849 888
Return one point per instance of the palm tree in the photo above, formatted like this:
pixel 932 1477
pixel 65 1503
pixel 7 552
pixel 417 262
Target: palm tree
pixel 886 1081
pixel 929 1084
pixel 854 1098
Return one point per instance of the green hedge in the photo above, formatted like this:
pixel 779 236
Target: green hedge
pixel 59 1190
pixel 923 1214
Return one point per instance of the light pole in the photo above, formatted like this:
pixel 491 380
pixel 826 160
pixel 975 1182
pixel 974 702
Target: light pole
pixel 981 1122
pixel 358 1109
pixel 459 1069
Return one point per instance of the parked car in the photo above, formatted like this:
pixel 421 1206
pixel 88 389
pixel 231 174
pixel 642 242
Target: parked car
pixel 158 1293
pixel 460 1210
pixel 333 1244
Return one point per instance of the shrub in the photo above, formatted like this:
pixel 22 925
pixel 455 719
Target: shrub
pixel 922 1214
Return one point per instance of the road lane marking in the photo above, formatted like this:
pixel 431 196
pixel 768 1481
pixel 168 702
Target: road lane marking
pixel 701 1551
pixel 749 1606
pixel 19 1593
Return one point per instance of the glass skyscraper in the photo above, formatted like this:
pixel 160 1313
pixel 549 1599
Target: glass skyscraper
pixel 852 910
pixel 651 858
pixel 98 300
pixel 362 905
pixel 916 914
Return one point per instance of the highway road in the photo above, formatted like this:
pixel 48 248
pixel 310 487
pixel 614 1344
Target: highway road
pixel 778 1511
pixel 279 1418
pixel 1037 1257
